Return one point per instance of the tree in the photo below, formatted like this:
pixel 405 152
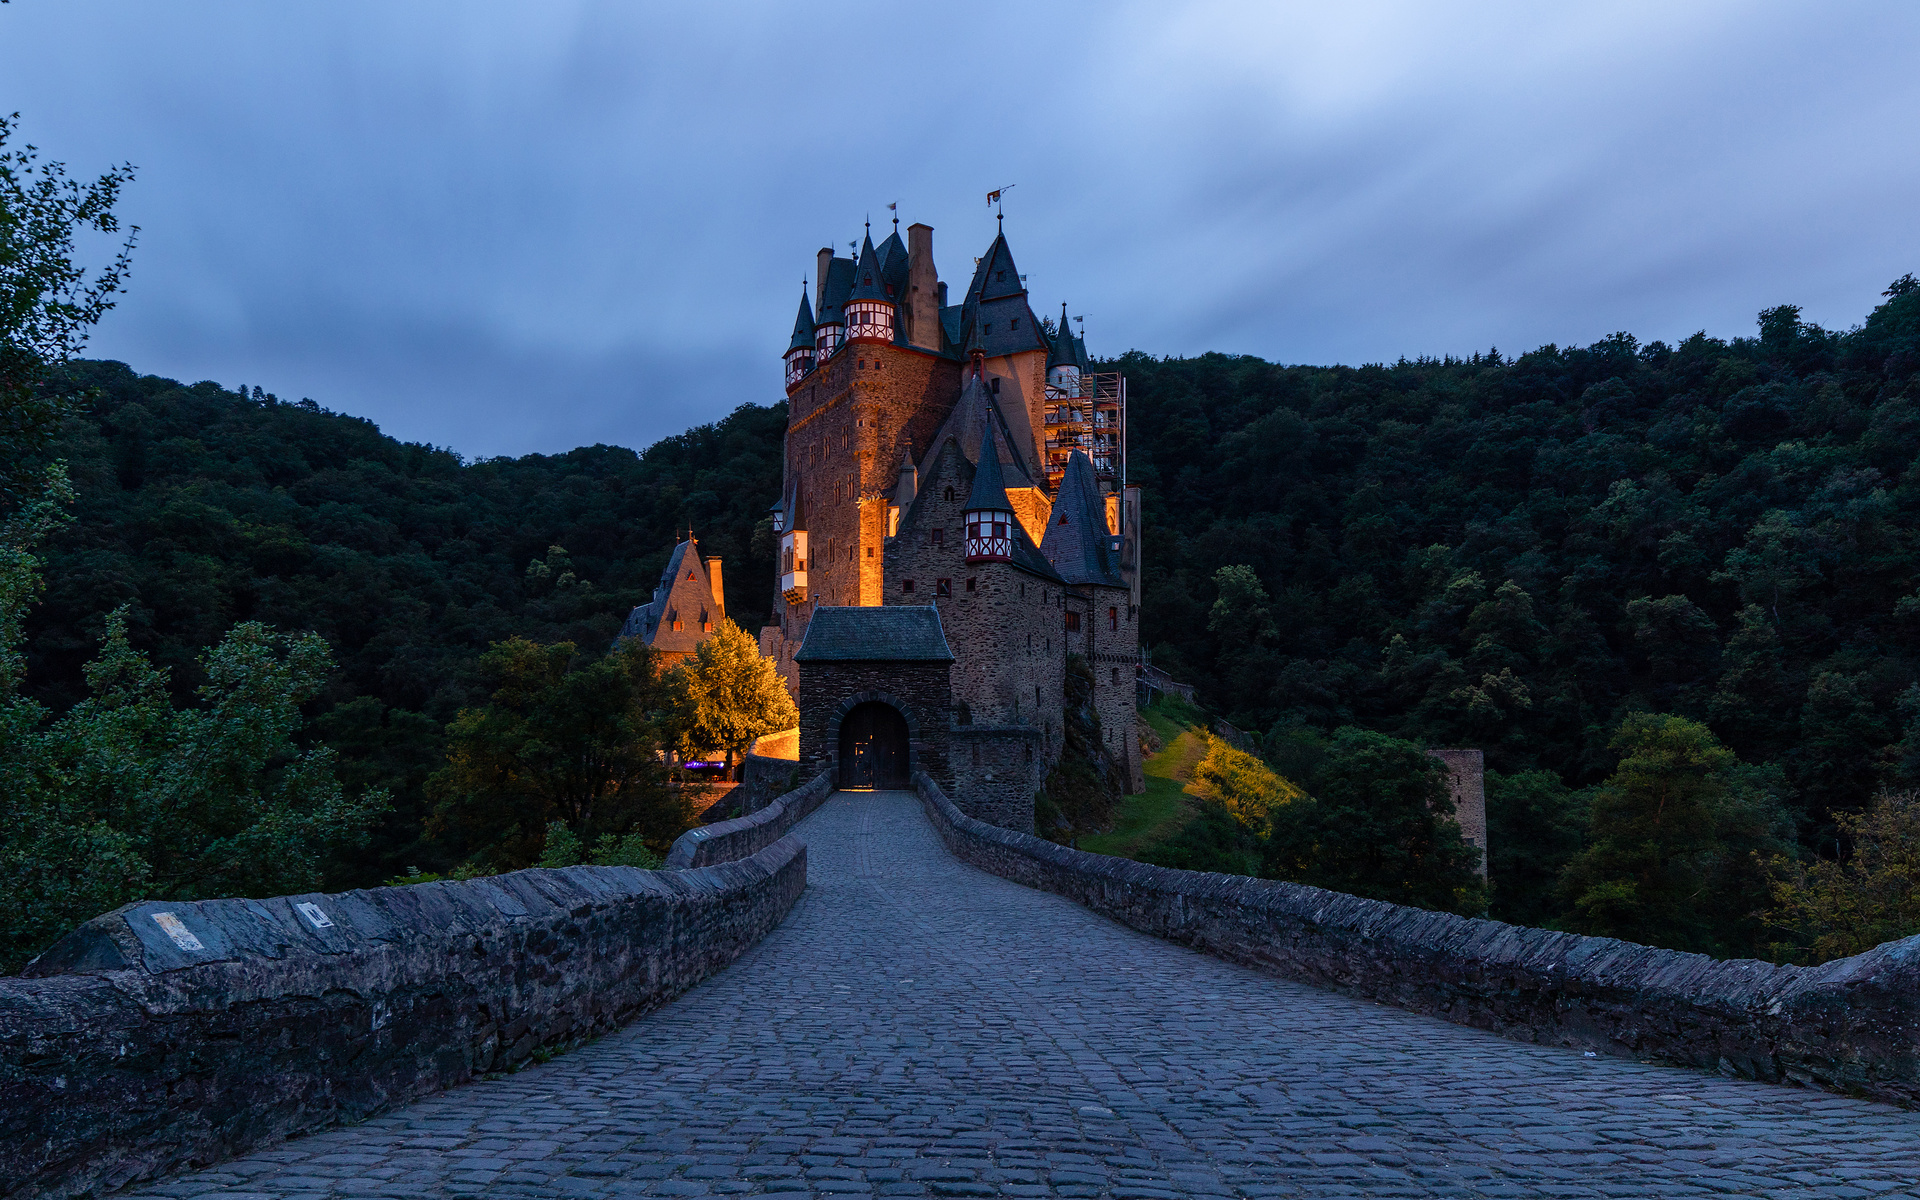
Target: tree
pixel 47 301
pixel 564 738
pixel 126 796
pixel 731 695
pixel 1831 908
pixel 1378 822
pixel 1670 855
pixel 1534 826
pixel 1241 610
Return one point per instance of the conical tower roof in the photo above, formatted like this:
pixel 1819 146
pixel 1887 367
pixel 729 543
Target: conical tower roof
pixel 1063 353
pixel 803 325
pixel 1077 542
pixel 868 282
pixel 796 507
pixel 989 485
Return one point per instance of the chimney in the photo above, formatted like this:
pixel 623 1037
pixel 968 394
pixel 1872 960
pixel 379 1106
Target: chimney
pixel 820 283
pixel 924 290
pixel 719 593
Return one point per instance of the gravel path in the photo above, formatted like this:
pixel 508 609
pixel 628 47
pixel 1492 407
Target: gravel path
pixel 917 1027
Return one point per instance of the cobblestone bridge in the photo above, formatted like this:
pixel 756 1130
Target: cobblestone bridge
pixel 917 1027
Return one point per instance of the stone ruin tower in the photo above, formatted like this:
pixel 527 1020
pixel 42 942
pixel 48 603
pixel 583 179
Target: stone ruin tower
pixel 961 459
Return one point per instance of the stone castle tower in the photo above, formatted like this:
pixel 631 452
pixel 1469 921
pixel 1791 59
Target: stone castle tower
pixel 961 458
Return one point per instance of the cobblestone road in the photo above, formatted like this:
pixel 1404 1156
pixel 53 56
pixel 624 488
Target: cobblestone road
pixel 917 1027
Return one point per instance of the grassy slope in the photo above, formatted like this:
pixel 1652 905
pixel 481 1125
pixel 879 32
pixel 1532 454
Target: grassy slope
pixel 1157 813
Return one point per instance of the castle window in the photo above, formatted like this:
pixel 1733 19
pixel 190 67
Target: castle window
pixel 1116 675
pixel 676 627
pixel 970 584
pixel 869 551
pixel 937 536
pixel 1073 622
pixel 1000 276
pixel 943 588
pixel 1113 618
pixel 906 585
pixel 987 328
pixel 1014 324
pixel 949 493
pixel 996 387
pixel 1063 518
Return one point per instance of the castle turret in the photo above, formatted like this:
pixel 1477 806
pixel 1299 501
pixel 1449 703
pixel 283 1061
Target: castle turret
pixel 989 514
pixel 869 312
pixel 800 349
pixel 1063 360
pixel 829 323
pixel 793 545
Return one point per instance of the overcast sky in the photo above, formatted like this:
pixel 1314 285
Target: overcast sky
pixel 525 227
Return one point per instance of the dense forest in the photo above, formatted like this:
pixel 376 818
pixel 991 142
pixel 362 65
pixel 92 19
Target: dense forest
pixel 1600 565
pixel 202 507
pixel 1517 553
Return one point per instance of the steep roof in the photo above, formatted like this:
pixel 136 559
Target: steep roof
pixel 802 325
pixel 1063 353
pixel 834 297
pixel 939 467
pixel 878 633
pixel 1077 542
pixel 893 264
pixel 868 281
pixel 989 488
pixel 969 417
pixel 683 593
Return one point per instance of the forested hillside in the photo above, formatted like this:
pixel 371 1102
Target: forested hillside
pixel 1515 553
pixel 204 507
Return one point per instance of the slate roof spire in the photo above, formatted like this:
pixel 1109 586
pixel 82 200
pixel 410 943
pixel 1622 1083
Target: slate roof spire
pixel 1063 353
pixel 1077 541
pixel 802 324
pixel 989 485
pixel 868 282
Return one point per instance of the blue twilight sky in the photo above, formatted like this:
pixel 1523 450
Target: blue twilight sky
pixel 517 227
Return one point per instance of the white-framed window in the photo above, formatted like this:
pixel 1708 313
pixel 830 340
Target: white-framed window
pixel 870 319
pixel 989 534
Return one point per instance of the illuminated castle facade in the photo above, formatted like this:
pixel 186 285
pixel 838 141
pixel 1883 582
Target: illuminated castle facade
pixel 961 459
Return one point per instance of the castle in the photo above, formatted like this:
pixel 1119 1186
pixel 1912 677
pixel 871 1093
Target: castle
pixel 954 522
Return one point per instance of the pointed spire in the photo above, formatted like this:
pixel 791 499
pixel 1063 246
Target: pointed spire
pixel 989 485
pixel 1063 353
pixel 796 508
pixel 802 324
pixel 868 283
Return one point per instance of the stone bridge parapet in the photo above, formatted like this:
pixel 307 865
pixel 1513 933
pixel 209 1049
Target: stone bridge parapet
pixel 1851 1026
pixel 166 1035
pixel 742 837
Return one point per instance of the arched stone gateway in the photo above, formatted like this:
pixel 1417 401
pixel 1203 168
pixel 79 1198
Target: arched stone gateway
pixel 874 751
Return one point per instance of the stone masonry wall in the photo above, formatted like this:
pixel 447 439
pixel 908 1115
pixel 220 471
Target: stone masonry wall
pixel 1109 639
pixel 1467 782
pixel 1851 1025
pixel 743 837
pixel 919 690
pixel 165 1035
pixel 997 769
pixel 1005 632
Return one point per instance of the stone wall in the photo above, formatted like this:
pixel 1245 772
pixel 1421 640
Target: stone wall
pixel 167 1035
pixel 1851 1026
pixel 996 771
pixel 1467 784
pixel 743 837
pixel 919 690
pixel 1003 623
